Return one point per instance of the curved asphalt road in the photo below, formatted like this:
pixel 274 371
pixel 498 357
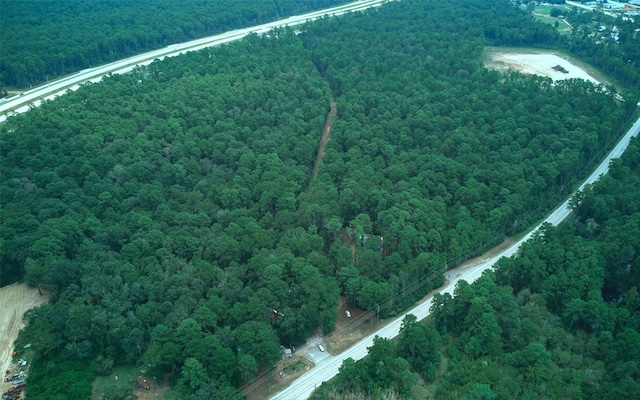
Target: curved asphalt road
pixel 327 368
pixel 49 91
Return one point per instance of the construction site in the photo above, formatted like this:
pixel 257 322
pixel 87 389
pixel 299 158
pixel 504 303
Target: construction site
pixel 15 300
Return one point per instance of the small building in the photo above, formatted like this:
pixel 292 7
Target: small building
pixel 286 353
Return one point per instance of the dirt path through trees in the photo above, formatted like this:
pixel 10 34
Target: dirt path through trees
pixel 15 300
pixel 326 135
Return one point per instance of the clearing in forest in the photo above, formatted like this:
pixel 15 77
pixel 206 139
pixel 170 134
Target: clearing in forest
pixel 536 62
pixel 15 300
pixel 144 386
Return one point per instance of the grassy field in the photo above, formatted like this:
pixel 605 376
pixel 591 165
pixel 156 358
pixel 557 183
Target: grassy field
pixel 542 14
pixel 126 378
pixel 121 377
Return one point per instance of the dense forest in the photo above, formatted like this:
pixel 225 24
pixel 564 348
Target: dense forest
pixel 173 216
pixel 43 39
pixel 561 320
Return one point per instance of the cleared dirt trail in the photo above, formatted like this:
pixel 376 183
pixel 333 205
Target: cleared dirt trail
pixel 326 135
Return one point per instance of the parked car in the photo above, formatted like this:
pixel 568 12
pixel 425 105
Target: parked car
pixel 321 347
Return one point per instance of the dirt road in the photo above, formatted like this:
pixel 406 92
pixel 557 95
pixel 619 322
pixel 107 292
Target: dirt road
pixel 326 135
pixel 15 300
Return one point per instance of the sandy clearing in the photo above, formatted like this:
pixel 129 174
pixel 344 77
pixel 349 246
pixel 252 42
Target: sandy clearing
pixel 537 64
pixel 15 300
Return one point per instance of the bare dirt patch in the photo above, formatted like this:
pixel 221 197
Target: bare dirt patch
pixel 155 390
pixel 278 378
pixel 350 330
pixel 538 62
pixel 472 262
pixel 15 300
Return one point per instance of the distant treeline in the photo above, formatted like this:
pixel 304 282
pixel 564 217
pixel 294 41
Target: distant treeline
pixel 42 40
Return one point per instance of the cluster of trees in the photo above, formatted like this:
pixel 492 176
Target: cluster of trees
pixel 560 320
pixel 42 39
pixel 172 214
pixel 391 367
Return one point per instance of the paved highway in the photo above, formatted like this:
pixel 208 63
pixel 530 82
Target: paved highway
pixel 579 5
pixel 326 369
pixel 51 90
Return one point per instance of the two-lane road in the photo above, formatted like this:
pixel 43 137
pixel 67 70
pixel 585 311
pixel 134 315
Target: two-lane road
pixel 326 369
pixel 51 90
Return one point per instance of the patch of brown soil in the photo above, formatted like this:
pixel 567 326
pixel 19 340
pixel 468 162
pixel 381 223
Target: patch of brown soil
pixel 326 135
pixel 156 389
pixel 472 262
pixel 350 330
pixel 276 379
